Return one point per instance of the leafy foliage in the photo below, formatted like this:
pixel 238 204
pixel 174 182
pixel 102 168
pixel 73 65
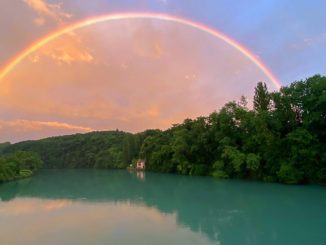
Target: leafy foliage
pixel 282 139
pixel 111 149
pixel 261 98
pixel 19 165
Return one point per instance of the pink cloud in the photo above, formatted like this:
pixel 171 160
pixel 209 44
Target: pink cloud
pixel 43 8
pixel 17 130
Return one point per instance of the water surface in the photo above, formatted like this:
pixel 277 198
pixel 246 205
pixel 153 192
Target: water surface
pixel 118 207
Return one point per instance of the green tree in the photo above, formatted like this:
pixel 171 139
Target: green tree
pixel 261 97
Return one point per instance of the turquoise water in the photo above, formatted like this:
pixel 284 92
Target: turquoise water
pixel 118 207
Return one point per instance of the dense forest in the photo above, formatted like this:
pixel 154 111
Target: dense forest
pixel 107 149
pixel 280 139
pixel 19 165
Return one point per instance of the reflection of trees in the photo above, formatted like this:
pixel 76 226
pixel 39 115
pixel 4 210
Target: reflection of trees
pixel 234 212
pixel 9 192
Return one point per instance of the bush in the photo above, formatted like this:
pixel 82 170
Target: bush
pixel 198 169
pixel 220 174
pixel 24 173
pixel 18 165
pixel 289 175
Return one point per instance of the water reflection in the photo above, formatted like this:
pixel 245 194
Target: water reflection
pixel 43 221
pixel 141 175
pixel 161 209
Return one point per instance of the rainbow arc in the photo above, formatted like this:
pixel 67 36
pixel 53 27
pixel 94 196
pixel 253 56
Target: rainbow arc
pixel 114 17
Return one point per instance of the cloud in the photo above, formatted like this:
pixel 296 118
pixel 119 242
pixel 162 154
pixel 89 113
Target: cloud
pixel 25 125
pixel 163 1
pixel 68 49
pixel 310 41
pixel 18 130
pixel 39 21
pixel 147 42
pixel 43 9
pixel 62 56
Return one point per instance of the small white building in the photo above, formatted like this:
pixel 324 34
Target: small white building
pixel 140 165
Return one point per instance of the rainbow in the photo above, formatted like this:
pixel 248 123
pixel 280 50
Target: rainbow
pixel 112 17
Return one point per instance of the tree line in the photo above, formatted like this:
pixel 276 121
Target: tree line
pixel 106 149
pixel 280 139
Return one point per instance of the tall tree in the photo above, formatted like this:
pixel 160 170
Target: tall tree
pixel 261 98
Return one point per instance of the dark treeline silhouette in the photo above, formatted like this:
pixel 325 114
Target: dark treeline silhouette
pixel 281 139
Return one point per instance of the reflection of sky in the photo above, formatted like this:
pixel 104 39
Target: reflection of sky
pixel 43 221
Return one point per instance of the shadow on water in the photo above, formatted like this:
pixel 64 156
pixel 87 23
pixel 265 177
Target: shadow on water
pixel 233 212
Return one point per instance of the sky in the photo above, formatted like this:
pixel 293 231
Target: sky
pixel 134 74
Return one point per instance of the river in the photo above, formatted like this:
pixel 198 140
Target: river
pixel 121 207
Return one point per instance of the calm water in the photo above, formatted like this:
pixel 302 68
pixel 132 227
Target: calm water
pixel 118 207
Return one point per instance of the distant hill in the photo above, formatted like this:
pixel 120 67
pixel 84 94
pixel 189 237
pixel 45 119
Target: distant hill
pixel 107 149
